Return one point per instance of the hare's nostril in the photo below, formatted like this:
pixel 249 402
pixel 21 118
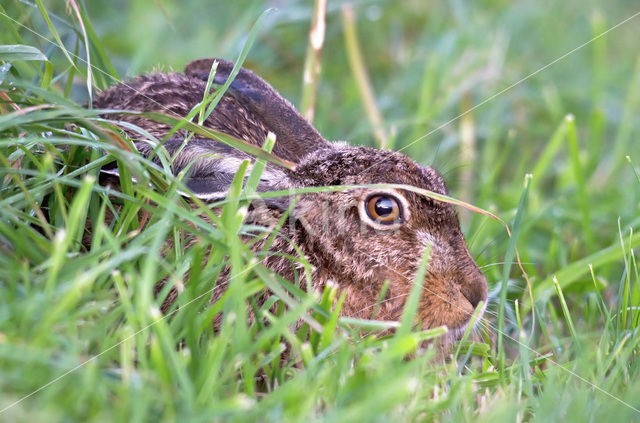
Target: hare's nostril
pixel 475 291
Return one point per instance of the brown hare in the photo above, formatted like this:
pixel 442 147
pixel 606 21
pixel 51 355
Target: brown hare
pixel 357 239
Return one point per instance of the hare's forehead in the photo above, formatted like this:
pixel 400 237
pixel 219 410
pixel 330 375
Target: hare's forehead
pixel 363 165
pixel 432 180
pixel 407 172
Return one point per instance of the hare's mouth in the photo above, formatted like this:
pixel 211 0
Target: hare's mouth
pixel 456 333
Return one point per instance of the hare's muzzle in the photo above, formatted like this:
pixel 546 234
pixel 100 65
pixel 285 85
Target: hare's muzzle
pixel 454 288
pixel 472 284
pixel 475 289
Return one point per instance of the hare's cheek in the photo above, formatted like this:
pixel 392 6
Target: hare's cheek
pixel 334 216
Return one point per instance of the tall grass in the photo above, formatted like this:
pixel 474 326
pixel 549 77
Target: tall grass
pixel 81 334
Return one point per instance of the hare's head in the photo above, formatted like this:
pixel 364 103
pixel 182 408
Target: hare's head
pixel 357 238
pixel 362 237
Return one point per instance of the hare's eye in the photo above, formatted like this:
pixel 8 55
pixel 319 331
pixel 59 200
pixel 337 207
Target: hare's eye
pixel 385 209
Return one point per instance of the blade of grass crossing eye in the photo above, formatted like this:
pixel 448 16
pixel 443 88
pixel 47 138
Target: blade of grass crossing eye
pixel 411 306
pixel 334 188
pixel 506 270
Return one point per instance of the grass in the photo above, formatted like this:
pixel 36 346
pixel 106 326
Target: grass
pixel 81 329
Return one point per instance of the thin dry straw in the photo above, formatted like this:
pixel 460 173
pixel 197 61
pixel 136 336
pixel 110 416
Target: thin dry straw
pixel 360 75
pixel 312 64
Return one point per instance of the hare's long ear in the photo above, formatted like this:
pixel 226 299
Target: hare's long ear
pixel 211 167
pixel 295 136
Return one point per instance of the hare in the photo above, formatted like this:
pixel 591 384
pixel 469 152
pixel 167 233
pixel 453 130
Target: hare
pixel 358 238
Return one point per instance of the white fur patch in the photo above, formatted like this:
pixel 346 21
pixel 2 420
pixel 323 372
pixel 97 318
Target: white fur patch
pixel 426 238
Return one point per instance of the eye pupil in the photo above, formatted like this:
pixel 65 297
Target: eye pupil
pixel 383 209
pixel 384 206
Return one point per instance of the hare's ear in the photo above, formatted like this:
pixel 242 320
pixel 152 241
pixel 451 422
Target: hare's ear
pixel 210 169
pixel 211 182
pixel 295 136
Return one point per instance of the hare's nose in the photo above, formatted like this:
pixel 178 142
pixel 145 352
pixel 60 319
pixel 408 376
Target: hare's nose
pixel 475 290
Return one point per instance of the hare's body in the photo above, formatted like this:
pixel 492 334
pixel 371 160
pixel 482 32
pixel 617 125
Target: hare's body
pixel 357 239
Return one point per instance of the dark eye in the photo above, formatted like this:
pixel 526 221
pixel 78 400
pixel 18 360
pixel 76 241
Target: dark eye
pixel 384 208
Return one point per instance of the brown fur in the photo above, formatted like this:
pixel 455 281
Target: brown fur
pixel 342 248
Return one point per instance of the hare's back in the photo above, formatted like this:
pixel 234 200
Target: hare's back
pixel 176 95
